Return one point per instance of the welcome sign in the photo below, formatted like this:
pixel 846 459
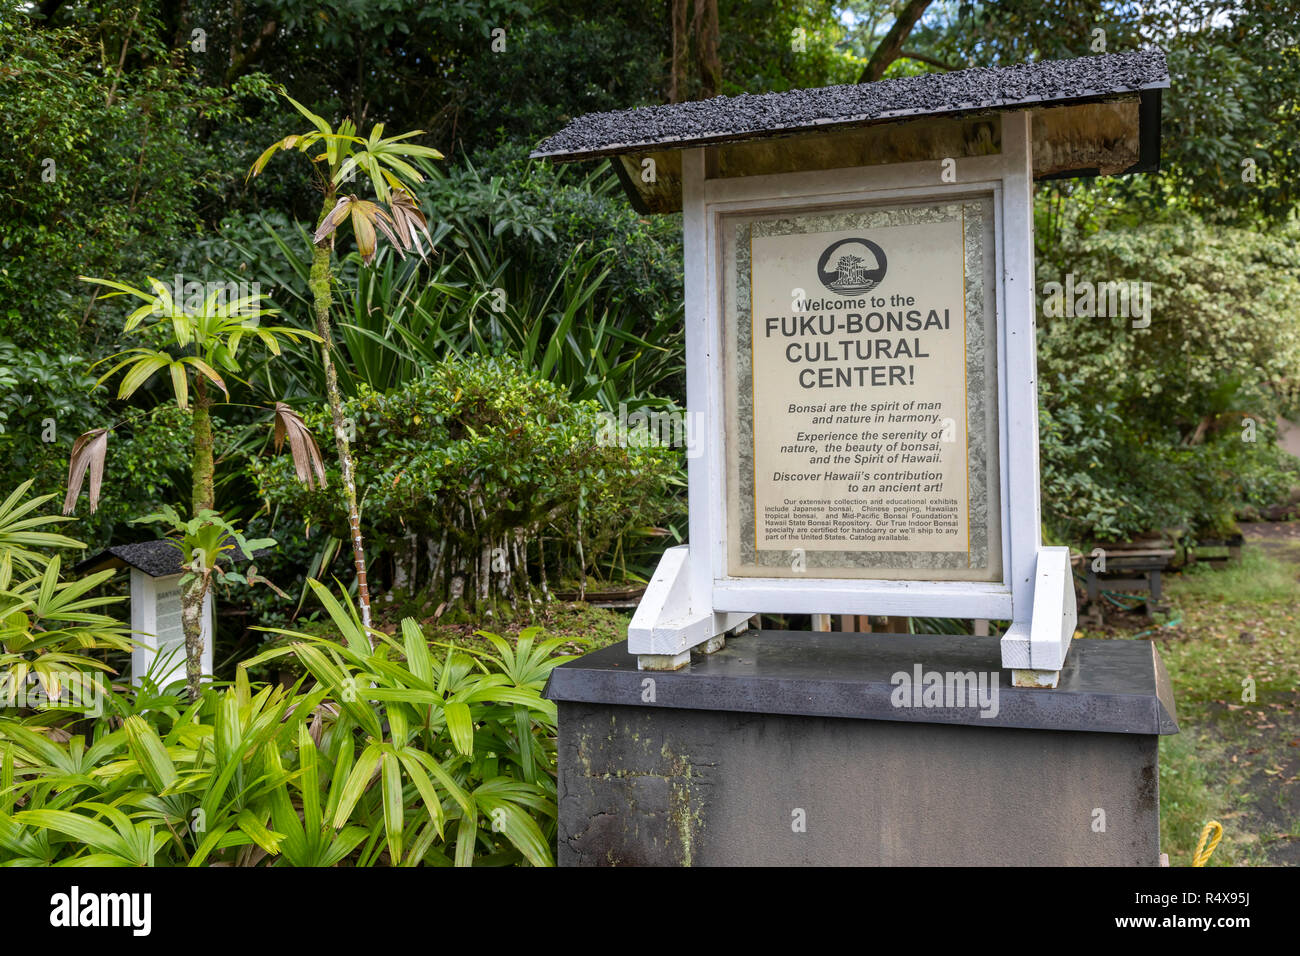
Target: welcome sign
pixel 862 391
pixel 860 342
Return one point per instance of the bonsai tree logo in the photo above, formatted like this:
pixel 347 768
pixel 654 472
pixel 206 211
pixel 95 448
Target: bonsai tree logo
pixel 851 273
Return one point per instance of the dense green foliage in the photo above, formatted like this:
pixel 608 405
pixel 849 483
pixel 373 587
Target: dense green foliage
pixel 467 474
pixel 150 126
pixel 1197 391
pixel 397 753
pixel 48 398
pixel 447 760
pixel 104 172
pixel 49 627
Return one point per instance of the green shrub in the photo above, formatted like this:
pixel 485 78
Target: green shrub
pixel 47 399
pixel 49 627
pixel 485 462
pixel 1170 426
pixel 106 171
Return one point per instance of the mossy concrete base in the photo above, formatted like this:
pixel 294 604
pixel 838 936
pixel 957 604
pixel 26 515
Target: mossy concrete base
pixel 714 765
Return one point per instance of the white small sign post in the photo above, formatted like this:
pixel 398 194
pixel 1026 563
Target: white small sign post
pixel 156 609
pixel 156 623
pixel 860 343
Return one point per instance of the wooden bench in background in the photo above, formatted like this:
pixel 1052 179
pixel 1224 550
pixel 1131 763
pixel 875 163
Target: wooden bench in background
pixel 1139 568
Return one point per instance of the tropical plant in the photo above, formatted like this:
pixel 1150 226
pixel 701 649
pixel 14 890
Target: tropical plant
pixel 1166 421
pixel 553 256
pixel 199 341
pixel 396 756
pixel 477 465
pixel 384 160
pixel 20 538
pixel 467 742
pixel 203 541
pixel 114 149
pixel 570 330
pixel 377 309
pixel 47 624
pixel 188 788
pixel 395 319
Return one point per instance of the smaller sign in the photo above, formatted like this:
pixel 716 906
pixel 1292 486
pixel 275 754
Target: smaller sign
pixel 168 625
pixel 158 627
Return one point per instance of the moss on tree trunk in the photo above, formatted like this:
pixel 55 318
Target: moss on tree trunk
pixel 322 298
pixel 192 595
pixel 201 468
pixel 201 499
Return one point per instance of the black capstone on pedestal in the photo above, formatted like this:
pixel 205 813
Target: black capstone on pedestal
pixel 801 748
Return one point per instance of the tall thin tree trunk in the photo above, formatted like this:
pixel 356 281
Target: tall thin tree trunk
pixel 541 565
pixel 677 80
pixel 201 469
pixel 582 558
pixel 201 499
pixel 706 48
pixel 322 298
pixel 192 596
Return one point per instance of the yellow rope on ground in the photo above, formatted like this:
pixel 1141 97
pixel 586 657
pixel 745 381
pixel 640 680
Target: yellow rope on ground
pixel 1203 852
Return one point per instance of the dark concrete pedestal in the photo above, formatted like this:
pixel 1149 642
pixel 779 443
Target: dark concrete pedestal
pixel 792 749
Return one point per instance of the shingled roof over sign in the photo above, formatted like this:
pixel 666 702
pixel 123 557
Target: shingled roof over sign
pixel 158 559
pixel 1091 116
pixel 750 115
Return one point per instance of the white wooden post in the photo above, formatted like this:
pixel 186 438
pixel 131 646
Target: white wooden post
pixel 1035 645
pixel 677 611
pixel 156 623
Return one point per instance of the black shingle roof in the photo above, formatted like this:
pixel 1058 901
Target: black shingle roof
pixel 157 559
pixel 754 116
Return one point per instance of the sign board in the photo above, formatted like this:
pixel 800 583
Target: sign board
pixel 860 357
pixel 861 378
pixel 860 348
pixel 156 623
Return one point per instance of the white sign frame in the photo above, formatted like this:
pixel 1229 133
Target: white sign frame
pixel 145 591
pixel 691 600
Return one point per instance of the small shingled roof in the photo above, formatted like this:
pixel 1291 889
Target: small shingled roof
pixel 158 559
pixel 762 115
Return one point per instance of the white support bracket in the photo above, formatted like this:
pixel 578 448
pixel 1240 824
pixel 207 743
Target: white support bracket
pixel 1034 647
pixel 671 620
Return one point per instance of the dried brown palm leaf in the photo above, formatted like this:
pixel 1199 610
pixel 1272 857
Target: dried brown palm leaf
pixel 366 217
pixel 306 453
pixel 319 716
pixel 385 224
pixel 337 216
pixel 88 453
pixel 409 222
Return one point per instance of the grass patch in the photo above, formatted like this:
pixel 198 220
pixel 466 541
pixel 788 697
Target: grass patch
pixel 1232 649
pixel 1192 793
pixel 1186 800
pixel 583 627
pixel 1259 578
